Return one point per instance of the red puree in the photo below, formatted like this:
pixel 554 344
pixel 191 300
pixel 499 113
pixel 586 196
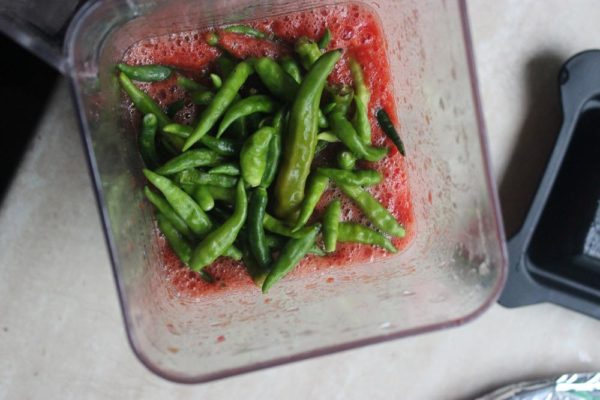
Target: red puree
pixel 354 29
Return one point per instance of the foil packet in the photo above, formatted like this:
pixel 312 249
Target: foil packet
pixel 584 386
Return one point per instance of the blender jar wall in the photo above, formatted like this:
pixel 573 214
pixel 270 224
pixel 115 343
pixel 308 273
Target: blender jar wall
pixel 453 269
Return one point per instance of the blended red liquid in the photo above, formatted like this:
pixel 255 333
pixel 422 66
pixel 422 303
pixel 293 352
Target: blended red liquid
pixel 355 30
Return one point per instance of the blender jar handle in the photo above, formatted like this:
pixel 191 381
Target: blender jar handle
pixel 39 26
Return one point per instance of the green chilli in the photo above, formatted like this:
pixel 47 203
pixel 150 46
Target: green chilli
pixel 226 169
pixel 317 185
pixel 308 51
pixel 190 159
pixel 325 39
pixel 245 107
pixel 168 212
pixel 301 138
pixel 194 177
pixel 256 230
pixel 344 130
pixel 388 128
pixel 247 31
pixel 277 81
pixel 182 203
pixel 145 73
pixel 223 237
pixel 147 141
pixel 222 146
pixel 363 96
pixel 203 197
pixel 253 157
pixel 365 177
pixel 222 100
pixel 331 222
pixel 377 214
pixel 290 66
pixel 346 160
pixel 290 256
pixel 357 233
pixel 142 101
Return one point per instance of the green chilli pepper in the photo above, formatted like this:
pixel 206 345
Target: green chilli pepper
pixel 179 245
pixel 165 208
pixel 222 146
pixel 253 157
pixel 221 193
pixel 181 202
pixel 346 160
pixel 357 233
pixel 220 239
pixel 301 137
pixel 342 96
pixel 190 159
pixel 308 51
pixel 145 73
pixel 246 30
pixel 290 256
pixel 357 178
pixel 142 101
pixel 274 152
pixel 317 185
pixel 331 222
pixel 202 98
pixel 274 225
pixel 147 141
pixel 220 103
pixel 181 248
pixel 344 130
pixel 325 39
pixel 377 214
pixel 245 107
pixel 280 83
pixel 226 169
pixel 322 120
pixel 194 177
pixel 189 84
pixel 233 253
pixel 388 128
pixel 361 100
pixel 203 197
pixel 328 137
pixel 328 108
pixel 256 230
pixel 179 130
pixel 212 38
pixel 290 66
pixel 277 242
pixel 257 273
pixel 216 81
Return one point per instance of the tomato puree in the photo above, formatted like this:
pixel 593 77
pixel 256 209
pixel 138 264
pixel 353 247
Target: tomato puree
pixel 355 30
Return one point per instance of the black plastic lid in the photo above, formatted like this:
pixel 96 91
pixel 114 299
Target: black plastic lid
pixel 555 257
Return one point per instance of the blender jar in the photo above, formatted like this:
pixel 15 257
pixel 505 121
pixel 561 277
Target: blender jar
pixel 452 271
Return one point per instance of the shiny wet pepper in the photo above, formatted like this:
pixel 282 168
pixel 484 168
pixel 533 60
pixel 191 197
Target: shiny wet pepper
pixel 223 237
pixel 253 157
pixel 301 137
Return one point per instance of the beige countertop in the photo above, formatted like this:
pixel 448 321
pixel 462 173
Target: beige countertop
pixel 61 332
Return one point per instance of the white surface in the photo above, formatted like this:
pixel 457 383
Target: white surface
pixel 61 334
